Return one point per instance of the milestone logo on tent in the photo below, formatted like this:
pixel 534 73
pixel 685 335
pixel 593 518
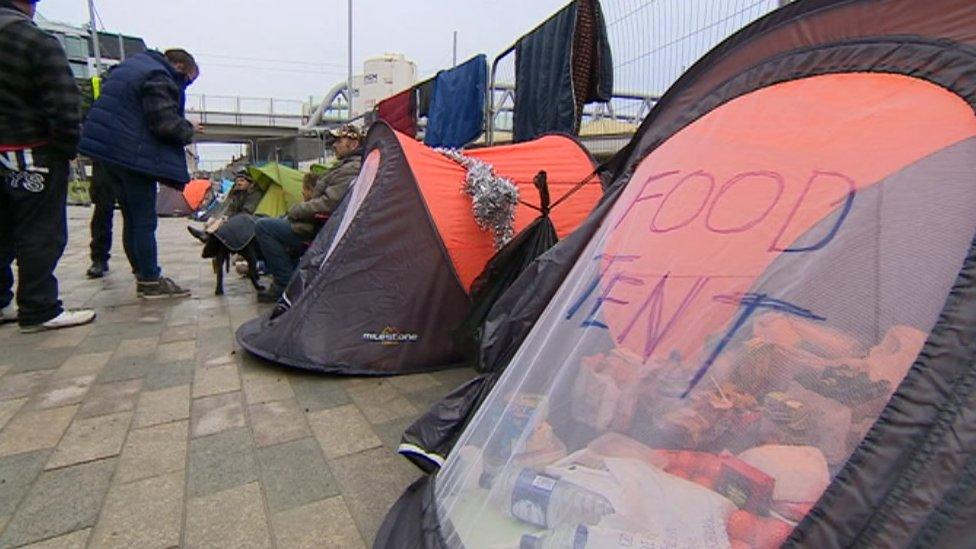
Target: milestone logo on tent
pixel 390 336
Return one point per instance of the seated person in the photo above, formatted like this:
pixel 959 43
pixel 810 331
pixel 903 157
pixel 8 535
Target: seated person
pixel 282 240
pixel 244 197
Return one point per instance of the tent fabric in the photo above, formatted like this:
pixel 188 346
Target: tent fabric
pixel 425 93
pixel 457 108
pixel 400 111
pixel 563 64
pixel 385 284
pixel 565 162
pixel 282 188
pixel 171 203
pixel 774 317
pixel 195 191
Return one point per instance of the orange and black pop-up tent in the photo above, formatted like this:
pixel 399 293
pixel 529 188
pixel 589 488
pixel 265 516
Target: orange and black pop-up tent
pixel 765 336
pixel 387 280
pixel 173 203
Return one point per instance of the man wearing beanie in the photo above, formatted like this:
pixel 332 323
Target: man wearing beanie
pixel 40 110
pixel 137 132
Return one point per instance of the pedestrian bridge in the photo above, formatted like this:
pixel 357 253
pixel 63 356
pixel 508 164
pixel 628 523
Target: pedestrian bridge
pixel 606 128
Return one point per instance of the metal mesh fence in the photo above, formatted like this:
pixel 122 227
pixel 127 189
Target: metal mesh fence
pixel 653 43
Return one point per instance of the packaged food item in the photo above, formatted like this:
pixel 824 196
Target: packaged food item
pixel 606 389
pixel 828 424
pixel 542 447
pixel 800 472
pixel 890 359
pixel 785 420
pixel 514 419
pixel 742 484
pixel 792 332
pixel 758 532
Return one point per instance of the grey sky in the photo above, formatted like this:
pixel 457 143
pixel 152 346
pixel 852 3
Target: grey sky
pixel 309 34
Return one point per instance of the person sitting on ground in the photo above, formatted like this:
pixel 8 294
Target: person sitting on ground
pixel 283 239
pixel 243 198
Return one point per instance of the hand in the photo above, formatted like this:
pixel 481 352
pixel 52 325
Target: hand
pixel 198 127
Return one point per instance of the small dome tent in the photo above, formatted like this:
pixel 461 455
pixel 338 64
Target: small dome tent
pixel 282 188
pixel 766 335
pixel 386 282
pixel 173 203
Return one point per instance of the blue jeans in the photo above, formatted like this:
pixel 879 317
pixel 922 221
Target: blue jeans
pixel 280 246
pixel 136 194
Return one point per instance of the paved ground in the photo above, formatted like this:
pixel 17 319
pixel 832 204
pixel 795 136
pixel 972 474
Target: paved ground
pixel 150 428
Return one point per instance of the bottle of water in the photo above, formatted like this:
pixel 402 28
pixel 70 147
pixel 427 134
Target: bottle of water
pixel 589 537
pixel 547 501
pixel 561 538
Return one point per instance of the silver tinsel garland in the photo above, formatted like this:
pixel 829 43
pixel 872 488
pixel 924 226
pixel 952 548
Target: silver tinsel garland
pixel 493 198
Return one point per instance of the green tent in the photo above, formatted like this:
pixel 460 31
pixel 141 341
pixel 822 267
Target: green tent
pixel 282 188
pixel 78 193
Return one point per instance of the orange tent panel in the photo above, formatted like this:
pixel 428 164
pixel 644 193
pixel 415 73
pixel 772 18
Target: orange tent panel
pixel 440 180
pixel 195 191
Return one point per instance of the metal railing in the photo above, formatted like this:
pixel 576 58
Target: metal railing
pixel 247 111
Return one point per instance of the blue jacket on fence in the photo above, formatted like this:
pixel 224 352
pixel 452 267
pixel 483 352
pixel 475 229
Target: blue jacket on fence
pixel 137 122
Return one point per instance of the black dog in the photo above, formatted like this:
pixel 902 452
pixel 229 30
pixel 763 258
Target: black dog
pixel 235 236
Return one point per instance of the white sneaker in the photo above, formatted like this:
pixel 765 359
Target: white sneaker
pixel 66 319
pixel 8 314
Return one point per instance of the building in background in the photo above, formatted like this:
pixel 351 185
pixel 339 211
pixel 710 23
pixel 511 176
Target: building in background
pixel 77 43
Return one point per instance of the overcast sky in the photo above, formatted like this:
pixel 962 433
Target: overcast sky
pixel 306 39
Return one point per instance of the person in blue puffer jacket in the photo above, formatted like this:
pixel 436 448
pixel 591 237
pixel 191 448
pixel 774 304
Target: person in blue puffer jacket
pixel 136 129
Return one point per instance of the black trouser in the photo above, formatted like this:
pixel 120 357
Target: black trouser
pixel 103 201
pixel 33 230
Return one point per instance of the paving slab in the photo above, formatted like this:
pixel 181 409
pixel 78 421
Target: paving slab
pixel 111 398
pixel 91 439
pixel 16 385
pixel 136 347
pixel 35 430
pixel 414 382
pixel 61 501
pixel 17 473
pixel 267 387
pixel 145 514
pixel 83 364
pixel 325 523
pixel 277 422
pixel 230 518
pixel 75 540
pixel 342 431
pixel 316 393
pixel 179 350
pixel 164 376
pixel 153 451
pixel 380 402
pixel 213 414
pixel 221 461
pixel 8 408
pixel 371 482
pixel 162 406
pixel 295 473
pixel 123 368
pixel 213 380
pixel 62 392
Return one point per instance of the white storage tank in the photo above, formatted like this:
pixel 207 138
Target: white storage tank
pixel 382 77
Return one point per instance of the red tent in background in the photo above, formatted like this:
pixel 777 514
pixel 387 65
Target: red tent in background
pixel 195 191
